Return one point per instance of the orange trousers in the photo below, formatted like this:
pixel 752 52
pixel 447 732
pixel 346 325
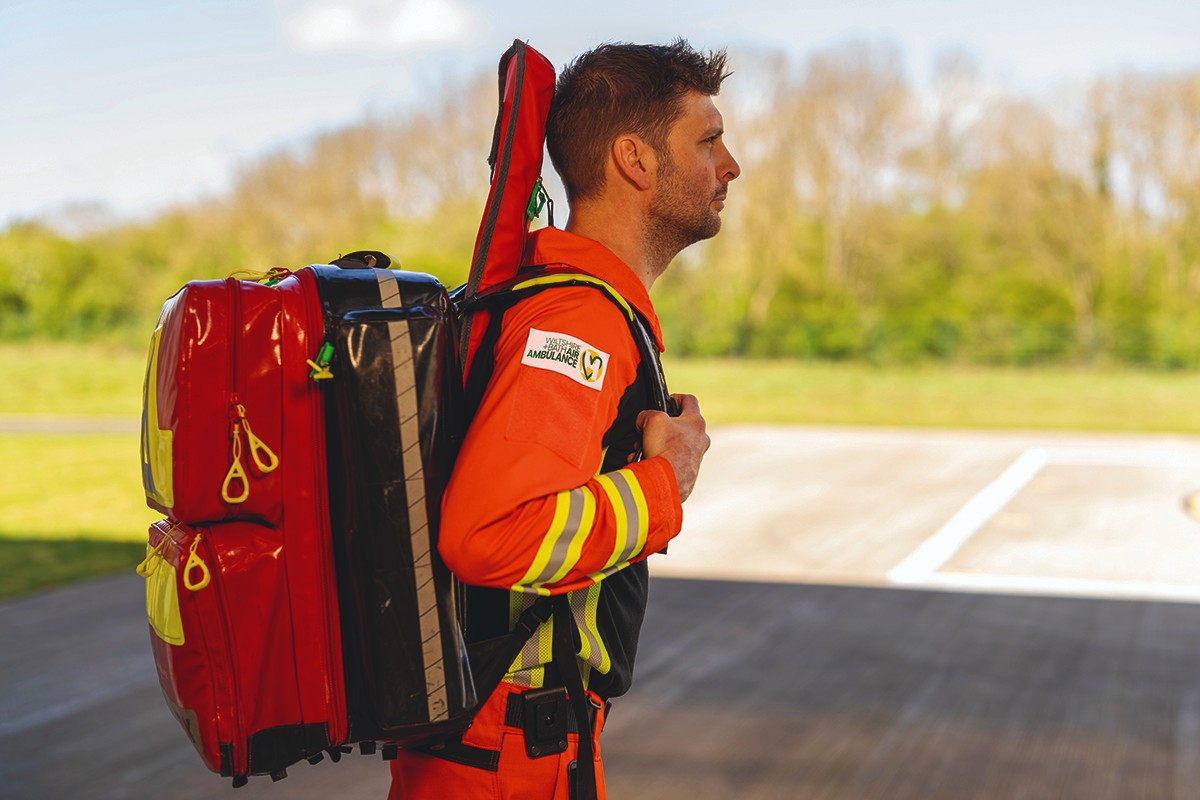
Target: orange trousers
pixel 417 776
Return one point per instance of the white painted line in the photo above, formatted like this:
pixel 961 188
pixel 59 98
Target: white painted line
pixel 1070 587
pixel 939 548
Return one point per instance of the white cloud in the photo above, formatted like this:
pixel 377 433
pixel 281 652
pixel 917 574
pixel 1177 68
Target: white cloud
pixel 375 25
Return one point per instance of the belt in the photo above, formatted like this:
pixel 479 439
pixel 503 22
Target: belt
pixel 519 705
pixel 543 715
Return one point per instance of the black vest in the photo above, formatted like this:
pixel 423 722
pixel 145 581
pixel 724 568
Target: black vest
pixel 621 605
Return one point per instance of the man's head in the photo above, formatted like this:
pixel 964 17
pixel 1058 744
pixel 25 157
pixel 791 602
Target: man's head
pixel 622 89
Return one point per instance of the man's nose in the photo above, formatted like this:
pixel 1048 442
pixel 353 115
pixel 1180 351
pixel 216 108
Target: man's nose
pixel 728 167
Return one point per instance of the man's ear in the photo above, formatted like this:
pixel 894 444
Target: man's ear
pixel 635 160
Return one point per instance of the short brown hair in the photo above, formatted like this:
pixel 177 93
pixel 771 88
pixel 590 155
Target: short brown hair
pixel 622 88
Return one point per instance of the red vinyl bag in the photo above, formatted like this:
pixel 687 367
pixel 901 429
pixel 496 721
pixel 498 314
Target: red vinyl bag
pixel 241 589
pixel 212 428
pixel 222 611
pixel 518 143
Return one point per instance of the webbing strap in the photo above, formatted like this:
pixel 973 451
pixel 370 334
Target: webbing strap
pixel 564 651
pixel 498 654
pixel 502 297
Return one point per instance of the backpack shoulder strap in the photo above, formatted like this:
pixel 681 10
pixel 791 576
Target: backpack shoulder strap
pixel 504 296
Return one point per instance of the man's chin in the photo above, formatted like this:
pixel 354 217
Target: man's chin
pixel 713 227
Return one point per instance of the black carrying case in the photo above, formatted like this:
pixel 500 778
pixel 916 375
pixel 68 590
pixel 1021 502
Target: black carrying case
pixel 393 429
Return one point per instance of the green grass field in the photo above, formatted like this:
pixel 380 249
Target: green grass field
pixel 940 397
pixel 71 504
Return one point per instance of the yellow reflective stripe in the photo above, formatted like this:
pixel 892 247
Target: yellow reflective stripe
pixel 583 609
pixel 631 519
pixel 620 518
pixel 562 505
pixel 575 549
pixel 639 498
pixel 562 547
pixel 528 669
pixel 550 280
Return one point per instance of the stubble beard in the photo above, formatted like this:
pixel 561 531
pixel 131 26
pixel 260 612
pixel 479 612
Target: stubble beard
pixel 679 217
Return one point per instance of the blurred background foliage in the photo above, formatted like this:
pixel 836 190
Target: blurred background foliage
pixel 872 222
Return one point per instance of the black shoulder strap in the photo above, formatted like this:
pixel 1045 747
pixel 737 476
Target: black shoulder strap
pixel 492 657
pixel 564 652
pixel 503 297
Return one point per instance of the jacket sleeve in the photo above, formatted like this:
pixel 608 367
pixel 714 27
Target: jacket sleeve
pixel 526 508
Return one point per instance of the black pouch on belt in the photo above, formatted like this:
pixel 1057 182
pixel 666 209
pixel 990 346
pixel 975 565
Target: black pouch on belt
pixel 546 716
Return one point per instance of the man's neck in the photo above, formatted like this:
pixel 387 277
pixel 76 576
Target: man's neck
pixel 626 241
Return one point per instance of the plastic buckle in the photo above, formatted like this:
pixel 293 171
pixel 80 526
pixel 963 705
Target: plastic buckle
pixel 545 713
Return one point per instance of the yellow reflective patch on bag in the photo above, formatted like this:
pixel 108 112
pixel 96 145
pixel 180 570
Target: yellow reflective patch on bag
pixel 162 597
pixel 156 442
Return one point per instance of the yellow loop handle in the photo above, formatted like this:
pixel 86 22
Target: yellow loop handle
pixel 236 471
pixel 144 569
pixel 257 446
pixel 195 562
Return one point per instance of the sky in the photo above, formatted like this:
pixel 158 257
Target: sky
pixel 135 106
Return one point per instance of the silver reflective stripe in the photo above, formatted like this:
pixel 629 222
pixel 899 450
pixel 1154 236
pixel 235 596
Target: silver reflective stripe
pixel 418 522
pixel 579 610
pixel 562 545
pixel 620 480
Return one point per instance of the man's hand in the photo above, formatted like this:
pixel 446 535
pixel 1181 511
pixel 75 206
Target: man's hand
pixel 680 440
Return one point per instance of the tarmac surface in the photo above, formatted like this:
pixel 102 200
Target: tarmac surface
pixel 847 614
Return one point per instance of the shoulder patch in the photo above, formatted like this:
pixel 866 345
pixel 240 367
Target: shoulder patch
pixel 566 355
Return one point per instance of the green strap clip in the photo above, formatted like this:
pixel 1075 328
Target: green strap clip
pixel 320 366
pixel 538 200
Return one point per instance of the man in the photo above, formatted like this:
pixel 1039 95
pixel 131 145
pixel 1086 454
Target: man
pixel 547 496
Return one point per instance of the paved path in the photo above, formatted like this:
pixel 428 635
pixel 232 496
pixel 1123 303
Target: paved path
pixel 763 680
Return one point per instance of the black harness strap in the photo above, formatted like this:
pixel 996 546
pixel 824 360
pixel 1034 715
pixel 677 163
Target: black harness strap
pixel 564 651
pixel 497 654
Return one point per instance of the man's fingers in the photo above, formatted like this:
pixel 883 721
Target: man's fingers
pixel 644 417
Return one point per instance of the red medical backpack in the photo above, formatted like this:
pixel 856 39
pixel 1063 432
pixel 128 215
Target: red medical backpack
pixel 298 430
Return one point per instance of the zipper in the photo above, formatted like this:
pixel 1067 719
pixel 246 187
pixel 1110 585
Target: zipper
pixel 235 313
pixel 240 744
pixel 235 423
pixel 241 755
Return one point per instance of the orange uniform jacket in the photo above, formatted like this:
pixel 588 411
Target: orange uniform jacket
pixel 542 499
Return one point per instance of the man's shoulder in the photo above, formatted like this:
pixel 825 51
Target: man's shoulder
pixel 580 309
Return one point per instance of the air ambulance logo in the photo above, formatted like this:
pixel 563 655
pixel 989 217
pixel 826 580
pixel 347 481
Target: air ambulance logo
pixel 566 355
pixel 591 365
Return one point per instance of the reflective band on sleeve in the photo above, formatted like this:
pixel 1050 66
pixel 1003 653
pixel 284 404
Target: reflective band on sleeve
pixel 631 519
pixel 574 512
pixel 620 520
pixel 639 499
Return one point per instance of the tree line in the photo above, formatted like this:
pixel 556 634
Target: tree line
pixel 872 221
